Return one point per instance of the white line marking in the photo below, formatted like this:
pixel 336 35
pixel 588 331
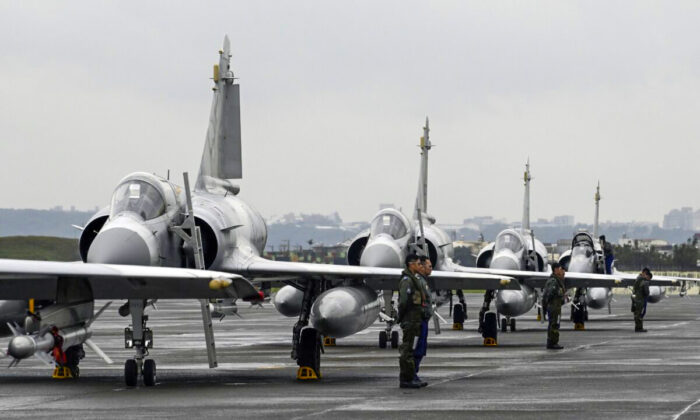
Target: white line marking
pixel 677 416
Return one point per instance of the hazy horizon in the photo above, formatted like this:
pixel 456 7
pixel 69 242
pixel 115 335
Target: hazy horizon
pixel 334 97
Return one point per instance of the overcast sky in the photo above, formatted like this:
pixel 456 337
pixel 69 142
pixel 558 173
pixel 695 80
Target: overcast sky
pixel 334 96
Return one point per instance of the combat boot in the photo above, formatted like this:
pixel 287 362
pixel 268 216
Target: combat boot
pixel 552 346
pixel 640 330
pixel 414 383
pixel 422 382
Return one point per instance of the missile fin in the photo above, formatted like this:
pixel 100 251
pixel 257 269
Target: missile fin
pixel 98 351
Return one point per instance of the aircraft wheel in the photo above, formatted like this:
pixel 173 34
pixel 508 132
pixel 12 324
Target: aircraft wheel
pixel 310 349
pixel 130 372
pixel 504 325
pixel 512 324
pixel 149 372
pixel 394 339
pixel 382 339
pixel 458 314
pixel 490 327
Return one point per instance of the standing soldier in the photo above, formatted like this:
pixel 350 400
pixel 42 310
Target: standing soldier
pixel 422 346
pixel 640 292
pixel 412 303
pixel 552 299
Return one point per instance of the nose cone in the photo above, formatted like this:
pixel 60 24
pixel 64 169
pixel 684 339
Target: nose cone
pixel 335 313
pixel 509 302
pixel 656 293
pixel 505 260
pixel 125 242
pixel 21 347
pixel 581 265
pixel 381 252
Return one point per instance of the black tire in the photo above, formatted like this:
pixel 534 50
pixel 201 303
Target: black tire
pixel 309 349
pixel 149 372
pixel 130 372
pixel 75 370
pixel 394 339
pixel 504 325
pixel 382 339
pixel 458 314
pixel 490 326
pixel 512 324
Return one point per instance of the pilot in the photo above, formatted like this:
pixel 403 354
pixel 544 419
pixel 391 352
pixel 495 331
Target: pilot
pixel 640 292
pixel 426 268
pixel 552 299
pixel 412 305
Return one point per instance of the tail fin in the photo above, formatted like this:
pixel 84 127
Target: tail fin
pixel 526 200
pixel 597 207
pixel 221 159
pixel 422 197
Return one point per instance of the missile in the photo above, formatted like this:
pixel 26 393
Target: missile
pixel 26 346
pixel 343 311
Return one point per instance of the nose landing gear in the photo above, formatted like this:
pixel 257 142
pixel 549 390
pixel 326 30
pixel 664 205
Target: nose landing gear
pixel 140 338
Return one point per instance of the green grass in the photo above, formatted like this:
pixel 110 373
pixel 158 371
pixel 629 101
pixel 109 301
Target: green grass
pixel 46 248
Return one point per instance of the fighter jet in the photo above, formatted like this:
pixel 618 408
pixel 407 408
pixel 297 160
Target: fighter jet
pixel 391 236
pixel 587 256
pixel 517 253
pixel 159 240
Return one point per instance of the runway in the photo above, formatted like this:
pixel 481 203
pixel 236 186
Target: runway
pixel 606 371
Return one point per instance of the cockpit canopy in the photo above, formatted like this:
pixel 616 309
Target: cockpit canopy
pixel 582 244
pixel 139 197
pixel 509 240
pixel 392 223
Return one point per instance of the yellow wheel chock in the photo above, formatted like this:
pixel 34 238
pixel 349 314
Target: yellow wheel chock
pixel 306 373
pixel 62 372
pixel 490 342
pixel 328 341
pixel 539 317
pixel 579 326
pixel 458 326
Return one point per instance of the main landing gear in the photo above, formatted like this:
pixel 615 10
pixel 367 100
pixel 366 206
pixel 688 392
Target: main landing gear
pixel 459 313
pixel 388 335
pixel 306 341
pixel 140 338
pixel 579 310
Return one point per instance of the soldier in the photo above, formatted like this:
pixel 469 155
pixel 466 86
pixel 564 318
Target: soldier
pixel 640 292
pixel 422 346
pixel 607 254
pixel 412 303
pixel 552 299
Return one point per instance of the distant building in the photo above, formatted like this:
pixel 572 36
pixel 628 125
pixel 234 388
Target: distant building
pixel 565 220
pixel 683 218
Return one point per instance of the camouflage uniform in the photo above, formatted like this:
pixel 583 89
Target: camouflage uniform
pixel 640 291
pixel 553 297
pixel 421 348
pixel 412 303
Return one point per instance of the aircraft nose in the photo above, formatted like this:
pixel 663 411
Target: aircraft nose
pixel 125 242
pixel 381 253
pixel 505 261
pixel 21 347
pixel 581 265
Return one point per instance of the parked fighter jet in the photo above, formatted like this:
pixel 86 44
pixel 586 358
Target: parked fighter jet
pixel 151 221
pixel 518 254
pixel 587 256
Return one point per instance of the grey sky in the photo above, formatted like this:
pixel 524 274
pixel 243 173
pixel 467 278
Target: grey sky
pixel 334 95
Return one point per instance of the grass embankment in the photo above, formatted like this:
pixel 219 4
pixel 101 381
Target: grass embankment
pixel 45 248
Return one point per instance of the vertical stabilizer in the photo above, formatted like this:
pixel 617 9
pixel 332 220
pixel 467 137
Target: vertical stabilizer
pixel 597 208
pixel 526 200
pixel 221 159
pixel 422 197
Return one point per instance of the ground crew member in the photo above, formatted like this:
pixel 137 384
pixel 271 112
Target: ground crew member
pixel 552 299
pixel 422 346
pixel 607 254
pixel 412 303
pixel 640 292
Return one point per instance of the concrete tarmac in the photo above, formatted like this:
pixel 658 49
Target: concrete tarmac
pixel 607 371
